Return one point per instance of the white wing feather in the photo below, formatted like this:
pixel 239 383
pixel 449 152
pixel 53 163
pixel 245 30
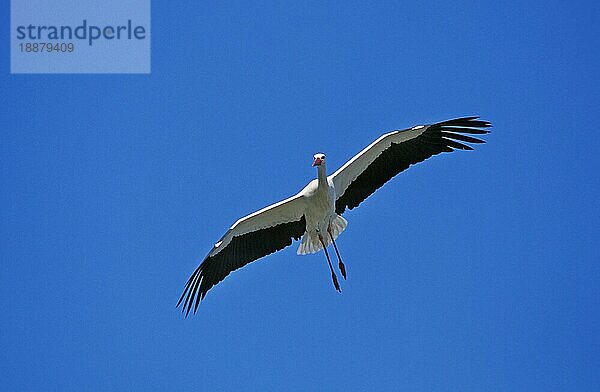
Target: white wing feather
pixel 344 176
pixel 288 210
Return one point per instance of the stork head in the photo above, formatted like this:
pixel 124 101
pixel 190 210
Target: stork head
pixel 319 159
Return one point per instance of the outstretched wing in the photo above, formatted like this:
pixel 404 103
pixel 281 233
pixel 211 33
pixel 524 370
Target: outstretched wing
pixel 250 238
pixel 396 151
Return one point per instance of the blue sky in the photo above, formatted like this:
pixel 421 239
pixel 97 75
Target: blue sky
pixel 471 271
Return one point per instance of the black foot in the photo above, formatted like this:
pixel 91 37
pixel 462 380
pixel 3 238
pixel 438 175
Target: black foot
pixel 343 269
pixel 335 283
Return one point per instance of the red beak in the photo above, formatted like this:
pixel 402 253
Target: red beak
pixel 317 162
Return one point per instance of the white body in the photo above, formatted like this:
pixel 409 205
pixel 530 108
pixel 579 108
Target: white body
pixel 320 214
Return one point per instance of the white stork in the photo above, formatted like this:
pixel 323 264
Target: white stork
pixel 314 212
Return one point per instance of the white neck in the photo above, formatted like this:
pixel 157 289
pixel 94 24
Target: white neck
pixel 322 174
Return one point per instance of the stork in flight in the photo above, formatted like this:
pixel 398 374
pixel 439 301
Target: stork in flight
pixel 314 213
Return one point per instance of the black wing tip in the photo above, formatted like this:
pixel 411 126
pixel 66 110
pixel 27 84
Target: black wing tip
pixel 454 132
pixel 458 129
pixel 191 292
pixel 469 122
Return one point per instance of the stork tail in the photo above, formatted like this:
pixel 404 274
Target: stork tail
pixel 312 244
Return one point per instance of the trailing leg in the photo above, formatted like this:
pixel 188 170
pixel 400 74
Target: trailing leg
pixel 341 264
pixel 333 276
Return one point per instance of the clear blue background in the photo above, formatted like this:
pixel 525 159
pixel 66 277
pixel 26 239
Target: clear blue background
pixel 471 271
